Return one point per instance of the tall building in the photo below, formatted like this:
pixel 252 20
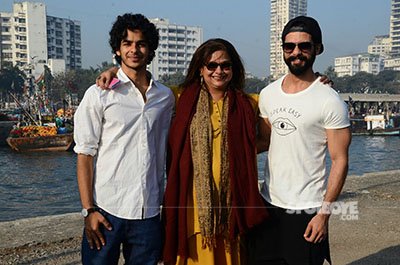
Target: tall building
pixel 176 47
pixel 29 38
pixel 395 28
pixel 281 12
pixel 393 61
pixel 64 41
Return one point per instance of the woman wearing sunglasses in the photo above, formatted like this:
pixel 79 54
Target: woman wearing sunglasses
pixel 212 194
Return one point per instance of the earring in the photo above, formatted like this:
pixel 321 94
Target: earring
pixel 201 80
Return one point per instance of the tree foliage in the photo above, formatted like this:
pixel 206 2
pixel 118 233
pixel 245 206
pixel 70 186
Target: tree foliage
pixel 174 79
pixel 254 85
pixel 387 81
pixel 12 79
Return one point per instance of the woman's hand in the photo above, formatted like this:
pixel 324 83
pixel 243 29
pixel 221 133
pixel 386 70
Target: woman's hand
pixel 104 79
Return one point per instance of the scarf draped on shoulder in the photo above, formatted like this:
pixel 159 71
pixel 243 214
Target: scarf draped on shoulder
pixel 246 206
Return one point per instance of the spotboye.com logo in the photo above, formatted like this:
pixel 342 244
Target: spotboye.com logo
pixel 348 211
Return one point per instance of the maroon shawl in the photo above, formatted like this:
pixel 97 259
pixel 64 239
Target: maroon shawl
pixel 248 208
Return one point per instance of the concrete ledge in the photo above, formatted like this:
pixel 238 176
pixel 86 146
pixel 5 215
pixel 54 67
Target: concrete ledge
pixel 42 229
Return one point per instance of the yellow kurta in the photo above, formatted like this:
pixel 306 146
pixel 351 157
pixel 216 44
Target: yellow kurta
pixel 218 255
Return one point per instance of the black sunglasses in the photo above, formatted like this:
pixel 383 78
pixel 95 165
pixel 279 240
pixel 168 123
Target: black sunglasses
pixel 212 66
pixel 303 46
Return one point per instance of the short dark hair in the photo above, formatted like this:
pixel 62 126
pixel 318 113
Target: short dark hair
pixel 132 22
pixel 204 53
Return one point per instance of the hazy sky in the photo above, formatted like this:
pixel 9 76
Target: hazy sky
pixel 348 26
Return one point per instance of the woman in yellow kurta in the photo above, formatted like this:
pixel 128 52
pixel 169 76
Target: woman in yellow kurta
pixel 197 254
pixel 211 196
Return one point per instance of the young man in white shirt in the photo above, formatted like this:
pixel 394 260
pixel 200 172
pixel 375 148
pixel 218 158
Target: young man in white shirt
pixel 301 119
pixel 121 137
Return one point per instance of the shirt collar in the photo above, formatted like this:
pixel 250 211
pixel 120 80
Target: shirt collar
pixel 125 79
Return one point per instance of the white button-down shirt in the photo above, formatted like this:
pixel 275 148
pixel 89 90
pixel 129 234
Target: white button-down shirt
pixel 128 138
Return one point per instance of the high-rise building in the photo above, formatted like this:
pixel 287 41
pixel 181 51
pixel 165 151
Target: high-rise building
pixel 30 38
pixel 64 41
pixel 281 12
pixel 176 47
pixel 395 29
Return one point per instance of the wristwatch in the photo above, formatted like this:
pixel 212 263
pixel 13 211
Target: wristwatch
pixel 85 212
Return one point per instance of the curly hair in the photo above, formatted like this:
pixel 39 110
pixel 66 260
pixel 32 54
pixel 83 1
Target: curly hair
pixel 132 22
pixel 203 54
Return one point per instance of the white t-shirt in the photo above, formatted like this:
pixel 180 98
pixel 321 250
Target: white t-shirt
pixel 297 155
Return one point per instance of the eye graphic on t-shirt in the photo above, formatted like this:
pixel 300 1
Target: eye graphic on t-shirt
pixel 283 126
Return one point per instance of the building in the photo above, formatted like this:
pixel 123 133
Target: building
pixel 281 12
pixel 176 47
pixel 393 61
pixel 362 62
pixel 380 45
pixel 29 38
pixel 395 28
pixel 64 41
pixel 392 64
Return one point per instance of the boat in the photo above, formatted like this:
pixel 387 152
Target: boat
pixel 39 138
pixel 39 127
pixel 376 125
pixel 58 142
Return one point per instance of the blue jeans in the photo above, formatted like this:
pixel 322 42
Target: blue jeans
pixel 141 242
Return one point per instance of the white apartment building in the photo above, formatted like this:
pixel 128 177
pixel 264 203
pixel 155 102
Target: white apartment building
pixel 281 12
pixel 176 47
pixel 395 28
pixel 362 62
pixel 29 38
pixel 380 45
pixel 393 62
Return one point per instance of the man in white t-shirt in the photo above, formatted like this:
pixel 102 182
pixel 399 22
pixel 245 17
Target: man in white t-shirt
pixel 302 118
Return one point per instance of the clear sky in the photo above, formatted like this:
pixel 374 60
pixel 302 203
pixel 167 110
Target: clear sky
pixel 348 26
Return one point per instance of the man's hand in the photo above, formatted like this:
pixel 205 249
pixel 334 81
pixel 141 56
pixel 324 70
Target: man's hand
pixel 104 79
pixel 92 229
pixel 317 228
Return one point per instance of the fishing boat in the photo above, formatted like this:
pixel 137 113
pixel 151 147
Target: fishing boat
pixel 40 128
pixel 376 125
pixel 39 138
pixel 58 142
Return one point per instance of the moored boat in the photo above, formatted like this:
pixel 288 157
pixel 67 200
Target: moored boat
pixel 39 138
pixel 376 125
pixel 57 142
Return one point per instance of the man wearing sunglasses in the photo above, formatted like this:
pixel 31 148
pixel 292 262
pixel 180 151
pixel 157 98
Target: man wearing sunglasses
pixel 301 118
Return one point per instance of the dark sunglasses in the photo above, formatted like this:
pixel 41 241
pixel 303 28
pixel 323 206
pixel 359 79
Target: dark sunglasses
pixel 303 46
pixel 212 66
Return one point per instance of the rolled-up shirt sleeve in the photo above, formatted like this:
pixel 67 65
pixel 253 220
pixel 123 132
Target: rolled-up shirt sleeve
pixel 88 122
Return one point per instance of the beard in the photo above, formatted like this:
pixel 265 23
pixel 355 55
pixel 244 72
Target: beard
pixel 298 70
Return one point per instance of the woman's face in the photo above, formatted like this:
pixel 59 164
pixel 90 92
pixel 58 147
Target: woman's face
pixel 217 72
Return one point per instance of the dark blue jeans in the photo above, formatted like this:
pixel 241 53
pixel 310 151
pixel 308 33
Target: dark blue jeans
pixel 141 242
